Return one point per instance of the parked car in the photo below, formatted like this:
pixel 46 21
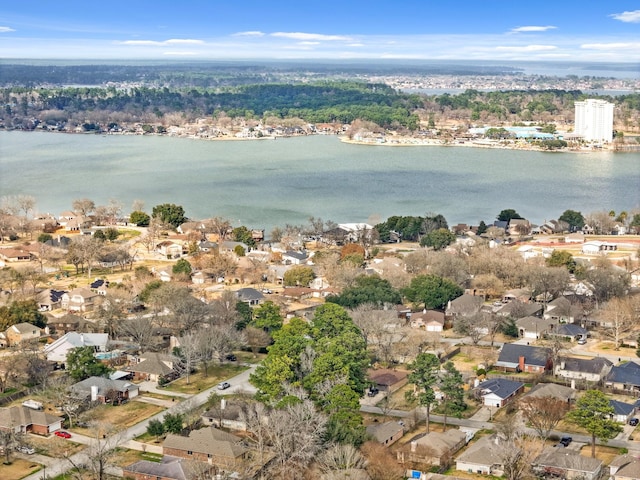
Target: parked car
pixel 231 357
pixel 373 391
pixel 565 441
pixel 223 385
pixel 62 434
pixel 634 422
pixel 26 449
pixel 582 341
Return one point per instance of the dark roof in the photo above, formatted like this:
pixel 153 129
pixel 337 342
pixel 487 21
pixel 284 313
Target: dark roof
pixel 248 294
pixel 621 408
pixel 297 255
pixel 627 373
pixel 571 330
pixel 501 387
pixel 511 353
pixel 585 365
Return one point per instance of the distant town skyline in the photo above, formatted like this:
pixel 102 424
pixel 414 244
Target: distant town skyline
pixel 353 29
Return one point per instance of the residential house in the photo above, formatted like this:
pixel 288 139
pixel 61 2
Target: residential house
pixel 230 247
pixel 14 255
pixel 464 306
pixel 596 247
pixel 519 226
pixel 485 457
pixel 592 369
pixel 105 390
pixel 524 358
pixel 49 299
pixel 518 309
pixel 79 300
pixel 434 448
pixel 520 294
pixel 570 332
pixel 169 468
pixel 562 311
pixel 152 366
pixel 622 412
pixel 250 296
pixel 497 392
pixel 209 445
pixel 20 419
pixel 22 333
pixel 70 323
pixel 534 327
pixel 386 433
pixel 430 320
pixel 292 257
pixel 226 415
pixel 566 463
pixel 625 467
pixel 388 380
pixel 553 390
pixel 169 249
pixel 624 377
pixel 57 350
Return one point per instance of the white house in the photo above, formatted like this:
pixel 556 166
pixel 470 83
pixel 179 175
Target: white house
pixel 57 351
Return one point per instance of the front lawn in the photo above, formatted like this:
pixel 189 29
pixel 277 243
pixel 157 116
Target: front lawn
pixel 198 382
pixel 123 416
pixel 18 468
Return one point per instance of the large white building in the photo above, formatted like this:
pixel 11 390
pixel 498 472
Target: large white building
pixel 594 120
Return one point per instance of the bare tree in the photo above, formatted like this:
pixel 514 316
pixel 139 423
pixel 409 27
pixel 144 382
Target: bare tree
pixel 70 404
pixel 543 413
pixel 619 319
pixel 83 206
pixel 516 454
pixel 141 331
pixel 381 464
pixel 188 354
pixel 339 458
pixel 257 338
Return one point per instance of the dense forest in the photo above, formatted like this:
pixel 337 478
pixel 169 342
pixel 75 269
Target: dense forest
pixel 146 96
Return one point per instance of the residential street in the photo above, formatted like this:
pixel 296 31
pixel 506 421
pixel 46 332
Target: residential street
pixel 239 383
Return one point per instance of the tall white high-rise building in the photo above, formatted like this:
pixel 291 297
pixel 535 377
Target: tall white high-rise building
pixel 594 120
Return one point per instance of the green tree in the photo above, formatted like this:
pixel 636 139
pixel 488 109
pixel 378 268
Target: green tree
pixel 482 227
pixel 574 219
pixel 44 237
pixel 298 276
pixel 111 234
pixel 438 239
pixel 367 289
pixel 21 311
pixel 431 291
pixel 173 423
pixel 593 412
pixel 169 214
pixel 155 428
pixel 453 393
pixel 424 375
pixel 345 425
pixel 562 258
pixel 508 214
pixel 244 235
pixel 141 219
pixel 268 317
pixel 182 266
pixel 82 363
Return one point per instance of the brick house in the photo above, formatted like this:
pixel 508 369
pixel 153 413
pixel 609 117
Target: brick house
pixel 21 419
pixel 209 445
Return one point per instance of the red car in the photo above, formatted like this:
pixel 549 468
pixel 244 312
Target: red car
pixel 63 434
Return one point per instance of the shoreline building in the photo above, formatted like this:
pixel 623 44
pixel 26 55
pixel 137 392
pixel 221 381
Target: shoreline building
pixel 594 120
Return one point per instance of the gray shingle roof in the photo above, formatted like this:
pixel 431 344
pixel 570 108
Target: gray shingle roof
pixel 627 373
pixel 207 441
pixel 501 387
pixel 511 353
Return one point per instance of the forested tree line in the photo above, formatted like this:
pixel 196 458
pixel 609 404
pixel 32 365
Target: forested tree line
pixel 314 102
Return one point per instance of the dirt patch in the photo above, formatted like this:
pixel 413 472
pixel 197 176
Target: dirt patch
pixel 606 454
pixel 121 415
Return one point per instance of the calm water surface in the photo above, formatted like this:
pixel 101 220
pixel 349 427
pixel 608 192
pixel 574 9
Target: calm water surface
pixel 268 183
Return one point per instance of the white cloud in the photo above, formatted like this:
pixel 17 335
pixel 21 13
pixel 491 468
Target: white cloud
pixel 532 28
pixel 355 45
pixel 526 48
pixel 6 29
pixel 309 36
pixel 308 43
pixel 629 17
pixel 609 46
pixel 250 33
pixel 183 41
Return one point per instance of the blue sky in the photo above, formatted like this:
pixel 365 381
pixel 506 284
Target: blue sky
pixel 562 30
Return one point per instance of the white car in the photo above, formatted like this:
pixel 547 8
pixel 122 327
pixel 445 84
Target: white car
pixel 26 449
pixel 223 385
pixel 582 341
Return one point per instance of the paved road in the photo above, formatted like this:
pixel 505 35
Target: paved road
pixel 239 383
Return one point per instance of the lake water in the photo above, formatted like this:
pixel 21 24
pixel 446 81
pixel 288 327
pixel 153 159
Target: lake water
pixel 267 183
